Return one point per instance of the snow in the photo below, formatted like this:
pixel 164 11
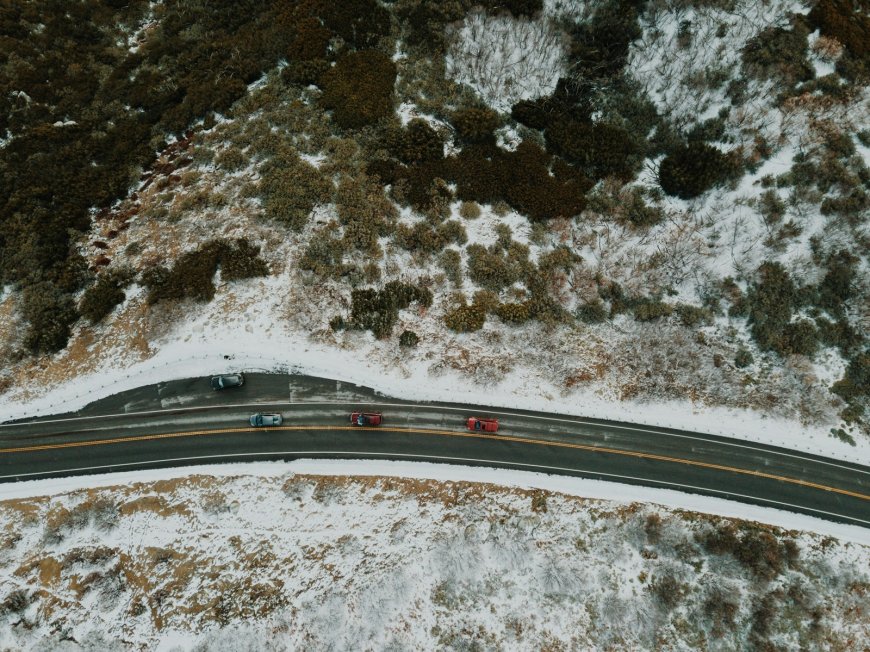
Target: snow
pixel 506 59
pixel 568 485
pixel 373 555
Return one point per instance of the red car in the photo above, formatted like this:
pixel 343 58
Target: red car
pixel 365 418
pixel 485 425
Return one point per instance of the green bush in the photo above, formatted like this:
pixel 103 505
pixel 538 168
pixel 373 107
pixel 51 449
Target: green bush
pixel 451 262
pixel 651 309
pixel 475 125
pixel 841 20
pixel 799 338
pixel 324 254
pixel 600 150
pixel 417 142
pixel 693 315
pixel 599 46
pixel 378 310
pixel 493 270
pixel 837 286
pixel 465 319
pixel 408 339
pixel 513 313
pixel 779 52
pixel 365 211
pixel 592 312
pixel 692 170
pixel 359 89
pixel 50 315
pixel 192 275
pixel 743 358
pixel 855 383
pixel 361 23
pixel 290 188
pixel 102 297
pixel 771 301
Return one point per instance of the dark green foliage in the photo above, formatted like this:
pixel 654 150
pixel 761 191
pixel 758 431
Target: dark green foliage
pixel 465 319
pixel 528 179
pixel 290 188
pixel 743 358
pixel 408 339
pixel 532 113
pixel 844 21
pixel 361 23
pixel 754 547
pixel 600 150
pixel 475 125
pixel 426 238
pixel 102 297
pixel 840 334
pixel 852 206
pixel 771 301
pixel 378 311
pixel 451 262
pixel 494 269
pixel 855 384
pixel 838 284
pixel 694 169
pixel 513 313
pixel 799 338
pixel 693 315
pixel 599 47
pixel 592 312
pixel 50 314
pixel 240 259
pixel 337 323
pixel 779 52
pixel 426 21
pixel 192 276
pixel 324 255
pixel 416 143
pixel 651 309
pixel 359 88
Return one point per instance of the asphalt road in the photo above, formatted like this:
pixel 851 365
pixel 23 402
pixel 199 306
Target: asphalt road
pixel 185 422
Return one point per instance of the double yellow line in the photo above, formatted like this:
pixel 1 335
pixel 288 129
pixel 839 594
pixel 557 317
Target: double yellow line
pixel 446 433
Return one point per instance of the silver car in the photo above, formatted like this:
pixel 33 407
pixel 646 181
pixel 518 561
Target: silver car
pixel 227 380
pixel 260 420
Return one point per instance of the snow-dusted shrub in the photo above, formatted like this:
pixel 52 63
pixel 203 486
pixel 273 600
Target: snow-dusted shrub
pixel 465 319
pixel 844 21
pixel 409 339
pixel 378 310
pixel 102 297
pixel 365 212
pixel 450 261
pixel 50 314
pixel 600 150
pixel 359 89
pixel 492 269
pixel 692 170
pixel 475 125
pixel 506 59
pixel 779 52
pixel 290 188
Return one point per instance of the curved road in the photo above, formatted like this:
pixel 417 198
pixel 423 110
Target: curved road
pixel 185 422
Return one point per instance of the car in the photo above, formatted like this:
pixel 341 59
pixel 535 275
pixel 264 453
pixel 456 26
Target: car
pixel 227 380
pixel 482 424
pixel 261 420
pixel 366 418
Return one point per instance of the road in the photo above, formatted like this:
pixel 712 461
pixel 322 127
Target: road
pixel 185 422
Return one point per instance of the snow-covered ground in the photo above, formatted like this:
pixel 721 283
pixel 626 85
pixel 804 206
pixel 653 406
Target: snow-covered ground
pixel 373 555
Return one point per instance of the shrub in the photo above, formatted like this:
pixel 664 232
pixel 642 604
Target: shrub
pixel 743 358
pixel 779 52
pixel 599 46
pixel 418 142
pixel 408 339
pixel 799 338
pixel 491 269
pixel 465 319
pixel 475 125
pixel 192 276
pixel 101 298
pixel 451 262
pixel 771 300
pixel 365 211
pixel 290 188
pixel 651 309
pixel 837 285
pixel 600 150
pixel 693 315
pixel 378 311
pixel 469 210
pixel 592 312
pixel 532 113
pixel 361 23
pixel 359 89
pixel 513 313
pixel 324 254
pixel 50 314
pixel 692 170
pixel 423 237
pixel 855 383
pixel 839 19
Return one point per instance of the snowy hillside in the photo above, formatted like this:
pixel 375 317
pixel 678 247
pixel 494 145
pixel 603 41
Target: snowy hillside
pixel 337 556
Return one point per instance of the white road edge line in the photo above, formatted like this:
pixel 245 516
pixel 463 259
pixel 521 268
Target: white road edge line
pixel 495 464
pixel 795 455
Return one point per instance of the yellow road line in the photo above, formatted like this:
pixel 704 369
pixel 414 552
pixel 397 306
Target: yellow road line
pixel 447 433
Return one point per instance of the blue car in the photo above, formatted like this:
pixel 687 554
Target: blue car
pixel 265 420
